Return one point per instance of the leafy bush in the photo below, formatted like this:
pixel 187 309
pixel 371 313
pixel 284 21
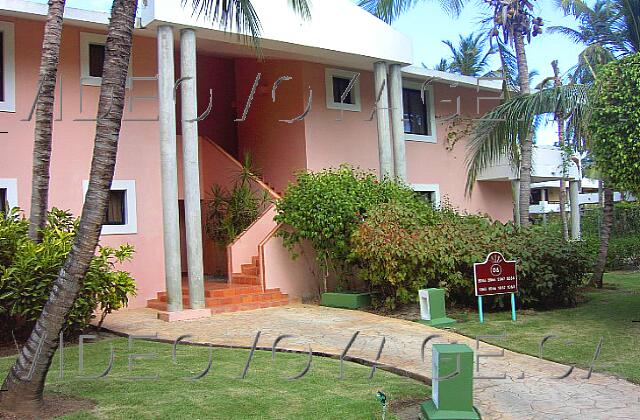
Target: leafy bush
pixel 615 123
pixel 326 208
pixel 401 256
pixel 27 280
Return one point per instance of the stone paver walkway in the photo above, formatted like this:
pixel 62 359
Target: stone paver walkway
pixel 328 330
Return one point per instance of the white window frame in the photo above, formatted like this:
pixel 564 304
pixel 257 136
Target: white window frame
pixel 329 74
pixel 433 138
pixel 11 185
pixel 87 38
pixel 434 188
pixel 131 225
pixel 9 66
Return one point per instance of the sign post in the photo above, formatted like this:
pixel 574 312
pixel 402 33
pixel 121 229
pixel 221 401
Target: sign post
pixel 495 276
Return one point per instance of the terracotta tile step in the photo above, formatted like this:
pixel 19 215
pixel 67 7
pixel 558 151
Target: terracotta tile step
pixel 250 269
pixel 245 279
pixel 234 307
pixel 273 294
pixel 248 306
pixel 229 290
pixel 255 260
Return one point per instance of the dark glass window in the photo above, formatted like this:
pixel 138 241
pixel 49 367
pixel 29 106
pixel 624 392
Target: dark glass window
pixel 416 113
pixel 340 85
pixel 96 60
pixel 116 210
pixel 4 206
pixel 428 196
pixel 536 196
pixel 1 67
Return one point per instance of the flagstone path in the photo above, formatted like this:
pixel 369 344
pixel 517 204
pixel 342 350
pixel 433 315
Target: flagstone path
pixel 537 397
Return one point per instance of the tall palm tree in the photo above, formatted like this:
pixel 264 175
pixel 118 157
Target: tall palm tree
pixel 514 24
pixel 609 30
pixel 44 118
pixel 469 57
pixel 24 385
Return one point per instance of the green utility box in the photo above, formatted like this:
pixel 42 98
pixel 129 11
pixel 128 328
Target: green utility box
pixel 432 310
pixel 452 385
pixel 346 300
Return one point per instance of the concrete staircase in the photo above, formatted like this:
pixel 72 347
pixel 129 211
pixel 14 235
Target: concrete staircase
pixel 243 293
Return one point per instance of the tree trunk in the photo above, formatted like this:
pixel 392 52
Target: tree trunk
pixel 526 146
pixel 25 391
pixel 44 119
pixel 605 234
pixel 560 121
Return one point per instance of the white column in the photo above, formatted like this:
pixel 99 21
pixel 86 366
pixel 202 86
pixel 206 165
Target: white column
pixel 192 216
pixel 169 169
pixel 397 121
pixel 515 187
pixel 382 114
pixel 574 197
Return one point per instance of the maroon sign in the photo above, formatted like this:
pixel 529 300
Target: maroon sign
pixel 495 276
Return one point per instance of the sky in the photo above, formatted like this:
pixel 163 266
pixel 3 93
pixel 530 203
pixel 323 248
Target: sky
pixel 427 25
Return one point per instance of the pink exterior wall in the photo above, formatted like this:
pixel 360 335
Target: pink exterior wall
pixel 331 142
pixel 277 148
pixel 138 155
pixel 443 162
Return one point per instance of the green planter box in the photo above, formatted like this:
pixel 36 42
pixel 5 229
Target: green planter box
pixel 346 300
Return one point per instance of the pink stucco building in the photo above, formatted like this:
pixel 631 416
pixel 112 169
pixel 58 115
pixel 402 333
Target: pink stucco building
pixel 167 162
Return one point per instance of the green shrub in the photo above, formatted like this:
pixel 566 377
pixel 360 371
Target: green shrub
pixel 401 256
pixel 326 208
pixel 27 281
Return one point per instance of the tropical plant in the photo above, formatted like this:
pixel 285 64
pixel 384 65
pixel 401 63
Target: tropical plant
pixel 230 212
pixel 615 138
pixel 43 133
pixel 469 57
pixel 326 207
pixel 24 385
pixel 401 255
pixel 27 280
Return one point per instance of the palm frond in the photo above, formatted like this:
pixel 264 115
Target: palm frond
pixel 390 10
pixel 574 35
pixel 499 133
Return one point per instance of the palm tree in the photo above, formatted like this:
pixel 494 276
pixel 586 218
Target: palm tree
pixel 469 57
pixel 443 65
pixel 24 385
pixel 513 25
pixel 44 118
pixel 610 29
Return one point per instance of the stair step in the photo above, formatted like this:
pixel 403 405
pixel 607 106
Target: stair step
pixel 232 307
pixel 232 290
pixel 255 260
pixel 272 294
pixel 250 269
pixel 239 278
pixel 248 306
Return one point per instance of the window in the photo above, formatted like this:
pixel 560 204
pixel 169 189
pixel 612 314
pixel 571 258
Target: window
pixel 121 214
pixel 337 82
pixel 8 194
pixel 430 192
pixel 419 115
pixel 116 214
pixel 91 58
pixel 7 68
pixel 536 196
pixel 4 206
pixel 96 60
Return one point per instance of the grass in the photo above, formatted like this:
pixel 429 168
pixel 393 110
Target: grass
pixel 264 394
pixel 607 313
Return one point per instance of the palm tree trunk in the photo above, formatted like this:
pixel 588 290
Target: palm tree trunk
pixel 563 192
pixel 44 118
pixel 605 234
pixel 526 147
pixel 25 391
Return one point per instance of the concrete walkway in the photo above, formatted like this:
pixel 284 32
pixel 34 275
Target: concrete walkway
pixel 537 397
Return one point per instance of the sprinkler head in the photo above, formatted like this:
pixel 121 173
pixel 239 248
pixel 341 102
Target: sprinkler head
pixel 381 397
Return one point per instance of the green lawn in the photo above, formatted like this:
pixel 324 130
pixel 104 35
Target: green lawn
pixel 264 394
pixel 606 313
